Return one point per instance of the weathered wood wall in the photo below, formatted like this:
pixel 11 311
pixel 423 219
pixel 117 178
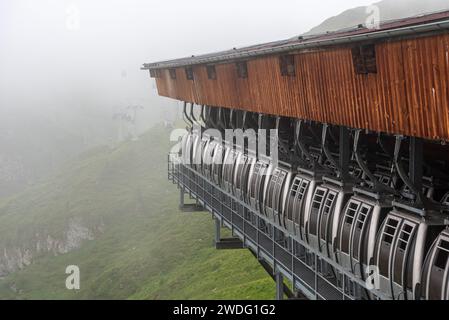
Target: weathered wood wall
pixel 408 95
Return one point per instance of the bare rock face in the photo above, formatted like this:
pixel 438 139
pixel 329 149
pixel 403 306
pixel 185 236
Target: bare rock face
pixel 15 258
pixel 76 234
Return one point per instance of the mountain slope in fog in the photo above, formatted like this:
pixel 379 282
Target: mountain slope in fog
pixel 389 10
pixel 113 213
pixel 31 148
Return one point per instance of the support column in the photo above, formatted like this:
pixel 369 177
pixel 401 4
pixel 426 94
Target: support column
pixel 217 231
pixel 279 278
pixel 416 162
pixel 181 197
pixel 345 152
pixel 189 207
pixel 225 243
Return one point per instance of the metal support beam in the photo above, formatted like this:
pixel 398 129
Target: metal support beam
pixel 345 153
pixel 225 243
pixel 229 244
pixel 416 162
pixel 217 231
pixel 190 207
pixel 181 197
pixel 279 286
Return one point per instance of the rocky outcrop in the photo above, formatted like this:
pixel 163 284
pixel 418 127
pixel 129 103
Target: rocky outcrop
pixel 15 258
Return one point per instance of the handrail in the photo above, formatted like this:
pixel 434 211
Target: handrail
pixel 319 254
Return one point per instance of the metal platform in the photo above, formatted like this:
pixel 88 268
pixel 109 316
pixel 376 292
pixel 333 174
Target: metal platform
pixel 312 274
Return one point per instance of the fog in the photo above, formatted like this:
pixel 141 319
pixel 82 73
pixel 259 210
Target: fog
pixel 69 69
pixel 63 55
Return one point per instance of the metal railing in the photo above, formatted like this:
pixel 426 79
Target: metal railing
pixel 310 271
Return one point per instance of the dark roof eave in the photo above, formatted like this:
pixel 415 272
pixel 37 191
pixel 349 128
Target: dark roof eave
pixel 316 42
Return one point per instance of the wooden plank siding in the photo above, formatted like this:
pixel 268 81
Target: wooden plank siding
pixel 408 95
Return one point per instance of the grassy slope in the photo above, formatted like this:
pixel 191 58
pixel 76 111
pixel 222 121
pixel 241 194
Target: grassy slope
pixel 148 250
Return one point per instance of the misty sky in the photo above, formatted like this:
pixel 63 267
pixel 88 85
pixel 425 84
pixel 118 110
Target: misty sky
pixel 71 54
pixel 77 54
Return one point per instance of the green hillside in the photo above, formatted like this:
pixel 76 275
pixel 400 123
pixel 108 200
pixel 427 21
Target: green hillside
pixel 127 236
